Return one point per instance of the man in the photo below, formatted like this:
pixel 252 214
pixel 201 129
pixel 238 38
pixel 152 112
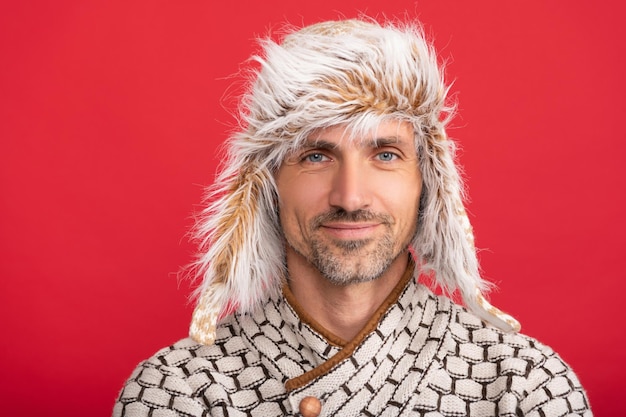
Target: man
pixel 337 196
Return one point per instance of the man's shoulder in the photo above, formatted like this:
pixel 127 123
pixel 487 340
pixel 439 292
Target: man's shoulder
pixel 176 376
pixel 172 359
pixel 160 379
pixel 476 340
pixel 482 359
pixel 187 357
pixel 468 330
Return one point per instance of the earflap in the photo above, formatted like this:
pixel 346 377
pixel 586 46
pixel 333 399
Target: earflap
pixel 444 243
pixel 206 314
pixel 242 264
pixel 481 307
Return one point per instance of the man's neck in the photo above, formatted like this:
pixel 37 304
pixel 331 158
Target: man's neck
pixel 342 310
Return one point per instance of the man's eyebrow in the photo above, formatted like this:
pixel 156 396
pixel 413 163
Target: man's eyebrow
pixel 375 143
pixel 386 140
pixel 318 144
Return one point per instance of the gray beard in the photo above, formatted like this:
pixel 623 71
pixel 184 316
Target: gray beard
pixel 346 262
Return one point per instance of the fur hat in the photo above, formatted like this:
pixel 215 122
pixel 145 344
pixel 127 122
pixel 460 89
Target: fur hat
pixel 355 73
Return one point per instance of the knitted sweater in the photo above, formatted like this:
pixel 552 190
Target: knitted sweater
pixel 420 355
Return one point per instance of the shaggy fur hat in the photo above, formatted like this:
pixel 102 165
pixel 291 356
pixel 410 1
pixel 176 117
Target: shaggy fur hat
pixel 355 73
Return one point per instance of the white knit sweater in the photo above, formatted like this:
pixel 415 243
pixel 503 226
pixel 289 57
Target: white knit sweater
pixel 421 355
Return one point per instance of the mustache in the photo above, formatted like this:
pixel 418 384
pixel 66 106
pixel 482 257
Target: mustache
pixel 340 215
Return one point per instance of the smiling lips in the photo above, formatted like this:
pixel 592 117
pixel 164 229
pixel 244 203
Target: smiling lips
pixel 350 230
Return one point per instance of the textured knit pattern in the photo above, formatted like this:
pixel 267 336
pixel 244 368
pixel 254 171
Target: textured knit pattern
pixel 426 357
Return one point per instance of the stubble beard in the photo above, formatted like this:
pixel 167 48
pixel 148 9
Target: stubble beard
pixel 345 262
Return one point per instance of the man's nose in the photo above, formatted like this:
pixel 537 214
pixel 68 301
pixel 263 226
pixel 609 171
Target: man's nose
pixel 350 188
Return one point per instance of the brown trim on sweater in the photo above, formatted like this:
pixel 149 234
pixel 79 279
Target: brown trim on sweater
pixel 348 347
pixel 306 318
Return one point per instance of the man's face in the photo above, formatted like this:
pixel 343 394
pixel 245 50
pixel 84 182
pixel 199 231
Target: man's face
pixel 349 207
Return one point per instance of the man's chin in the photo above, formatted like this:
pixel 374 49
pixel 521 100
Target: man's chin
pixel 348 277
pixel 351 247
pixel 350 269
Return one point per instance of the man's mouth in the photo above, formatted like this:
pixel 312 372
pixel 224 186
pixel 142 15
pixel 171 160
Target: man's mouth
pixel 350 230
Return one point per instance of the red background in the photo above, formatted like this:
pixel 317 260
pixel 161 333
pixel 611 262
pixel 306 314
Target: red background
pixel 111 114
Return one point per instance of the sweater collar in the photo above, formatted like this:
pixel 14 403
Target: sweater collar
pixel 301 350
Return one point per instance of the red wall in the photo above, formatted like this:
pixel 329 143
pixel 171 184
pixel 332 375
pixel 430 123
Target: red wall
pixel 111 115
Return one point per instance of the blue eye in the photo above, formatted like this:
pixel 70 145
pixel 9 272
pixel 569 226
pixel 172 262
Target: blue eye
pixel 314 157
pixel 386 156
